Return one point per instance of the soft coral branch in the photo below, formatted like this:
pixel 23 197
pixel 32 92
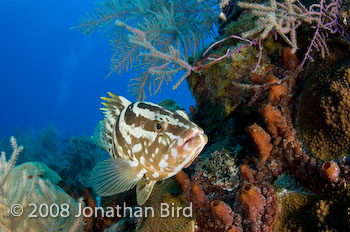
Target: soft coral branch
pixel 326 16
pixel 171 57
pixel 285 17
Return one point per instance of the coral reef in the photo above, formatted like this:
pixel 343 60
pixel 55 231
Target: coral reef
pixel 256 206
pixel 308 212
pixel 60 154
pixel 221 211
pixel 250 94
pixel 33 184
pixel 345 15
pixel 214 84
pixel 72 158
pixel 96 222
pixel 36 168
pixel 81 154
pixel 330 171
pixel 266 96
pixel 44 145
pixel 261 140
pixel 221 169
pixel 167 195
pixel 253 203
pixel 124 225
pixel 324 111
pixel 277 159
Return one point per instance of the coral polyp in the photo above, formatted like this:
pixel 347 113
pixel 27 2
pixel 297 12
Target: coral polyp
pixel 324 112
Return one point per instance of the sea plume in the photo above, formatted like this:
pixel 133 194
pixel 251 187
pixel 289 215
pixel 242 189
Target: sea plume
pixel 176 25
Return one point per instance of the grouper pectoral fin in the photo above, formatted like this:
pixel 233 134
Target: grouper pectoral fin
pixel 143 190
pixel 114 176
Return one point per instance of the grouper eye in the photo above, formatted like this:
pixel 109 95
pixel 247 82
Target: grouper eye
pixel 160 126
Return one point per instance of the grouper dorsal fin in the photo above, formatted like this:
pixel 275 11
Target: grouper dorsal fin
pixel 143 190
pixel 112 110
pixel 115 104
pixel 183 114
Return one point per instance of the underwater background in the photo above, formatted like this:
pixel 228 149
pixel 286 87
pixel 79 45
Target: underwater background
pixel 267 81
pixel 54 75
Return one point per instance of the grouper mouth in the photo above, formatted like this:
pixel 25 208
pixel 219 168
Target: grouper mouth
pixel 194 139
pixel 194 142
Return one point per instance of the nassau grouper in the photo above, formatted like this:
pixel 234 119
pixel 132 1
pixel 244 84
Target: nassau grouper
pixel 147 143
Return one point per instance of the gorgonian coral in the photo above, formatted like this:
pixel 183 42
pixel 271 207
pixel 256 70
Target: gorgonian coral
pixel 34 184
pixel 182 25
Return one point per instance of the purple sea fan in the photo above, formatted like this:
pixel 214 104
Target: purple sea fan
pixel 285 17
pixel 327 18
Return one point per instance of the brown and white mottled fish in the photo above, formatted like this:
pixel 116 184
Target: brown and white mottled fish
pixel 147 143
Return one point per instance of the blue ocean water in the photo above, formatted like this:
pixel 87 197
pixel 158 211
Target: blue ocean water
pixel 52 75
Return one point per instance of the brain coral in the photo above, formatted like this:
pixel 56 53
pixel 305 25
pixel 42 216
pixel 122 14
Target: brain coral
pixel 306 212
pixel 324 112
